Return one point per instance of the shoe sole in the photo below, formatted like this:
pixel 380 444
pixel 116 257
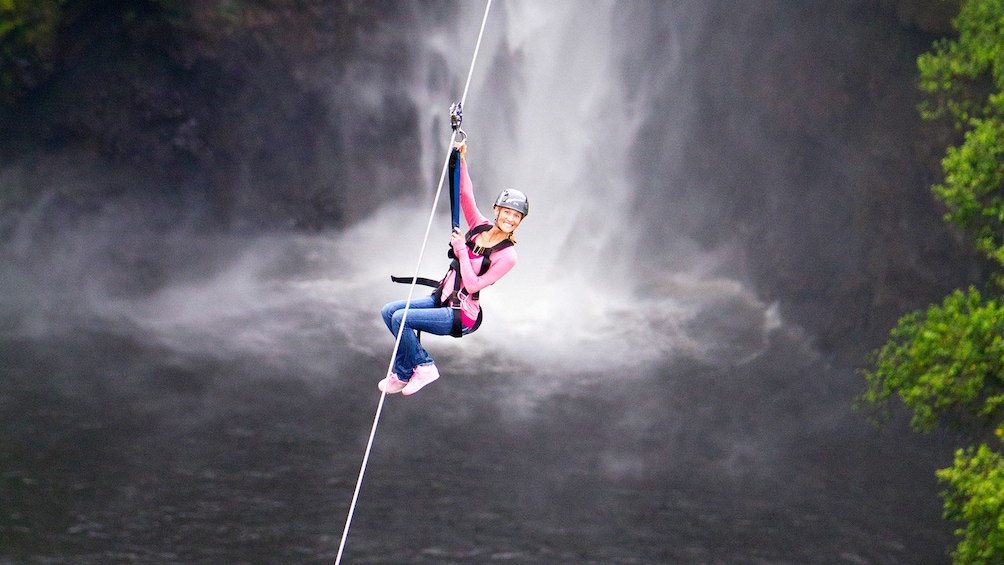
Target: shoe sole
pixel 383 387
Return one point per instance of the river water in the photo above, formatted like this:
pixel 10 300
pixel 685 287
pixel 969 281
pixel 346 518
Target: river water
pixel 233 432
pixel 621 404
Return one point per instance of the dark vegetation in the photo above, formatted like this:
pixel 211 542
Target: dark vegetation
pixel 219 103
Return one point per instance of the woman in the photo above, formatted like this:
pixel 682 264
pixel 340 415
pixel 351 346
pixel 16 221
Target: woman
pixel 479 259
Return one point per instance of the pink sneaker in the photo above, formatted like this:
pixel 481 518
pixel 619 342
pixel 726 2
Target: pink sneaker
pixel 423 375
pixel 392 384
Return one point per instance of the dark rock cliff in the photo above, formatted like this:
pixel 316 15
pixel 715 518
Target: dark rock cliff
pixel 223 105
pixel 807 152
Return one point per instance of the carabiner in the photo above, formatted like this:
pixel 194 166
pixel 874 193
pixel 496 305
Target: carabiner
pixel 456 115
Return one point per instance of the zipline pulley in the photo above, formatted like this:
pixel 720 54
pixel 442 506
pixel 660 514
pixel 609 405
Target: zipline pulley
pixel 456 118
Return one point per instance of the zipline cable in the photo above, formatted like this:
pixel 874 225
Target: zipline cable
pixel 411 291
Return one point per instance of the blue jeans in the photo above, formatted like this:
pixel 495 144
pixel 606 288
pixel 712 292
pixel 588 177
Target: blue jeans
pixel 423 315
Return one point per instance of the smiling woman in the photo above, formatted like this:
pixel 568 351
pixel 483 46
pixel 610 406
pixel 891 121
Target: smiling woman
pixel 480 259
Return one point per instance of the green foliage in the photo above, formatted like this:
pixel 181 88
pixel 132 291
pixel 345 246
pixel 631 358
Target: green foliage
pixel 964 78
pixel 974 185
pixel 27 37
pixel 976 497
pixel 946 364
pixel 958 72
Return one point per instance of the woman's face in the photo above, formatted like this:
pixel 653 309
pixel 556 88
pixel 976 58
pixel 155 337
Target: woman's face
pixel 507 219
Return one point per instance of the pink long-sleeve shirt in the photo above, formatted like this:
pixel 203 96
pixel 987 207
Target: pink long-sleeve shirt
pixel 502 261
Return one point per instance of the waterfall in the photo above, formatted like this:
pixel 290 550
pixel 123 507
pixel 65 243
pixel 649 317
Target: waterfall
pixel 549 113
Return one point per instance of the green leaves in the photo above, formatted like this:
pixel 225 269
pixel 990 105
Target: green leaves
pixel 973 188
pixel 947 364
pixel 964 79
pixel 976 498
pixel 961 73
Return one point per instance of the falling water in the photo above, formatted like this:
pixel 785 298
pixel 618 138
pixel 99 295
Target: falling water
pixel 548 113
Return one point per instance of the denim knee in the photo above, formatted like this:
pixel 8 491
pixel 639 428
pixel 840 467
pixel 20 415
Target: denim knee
pixel 395 321
pixel 386 312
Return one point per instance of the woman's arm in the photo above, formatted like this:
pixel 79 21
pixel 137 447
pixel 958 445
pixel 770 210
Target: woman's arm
pixel 473 216
pixel 502 262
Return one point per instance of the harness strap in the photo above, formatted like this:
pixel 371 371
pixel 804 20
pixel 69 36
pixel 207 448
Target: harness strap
pixel 415 280
pixel 455 187
pixel 454 297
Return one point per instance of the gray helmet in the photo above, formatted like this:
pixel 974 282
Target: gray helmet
pixel 514 200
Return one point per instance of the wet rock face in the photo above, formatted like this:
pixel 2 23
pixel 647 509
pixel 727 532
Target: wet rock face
pixel 223 103
pixel 931 16
pixel 806 150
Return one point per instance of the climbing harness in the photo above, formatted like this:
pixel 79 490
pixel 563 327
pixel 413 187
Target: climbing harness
pixel 411 291
pixel 458 294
